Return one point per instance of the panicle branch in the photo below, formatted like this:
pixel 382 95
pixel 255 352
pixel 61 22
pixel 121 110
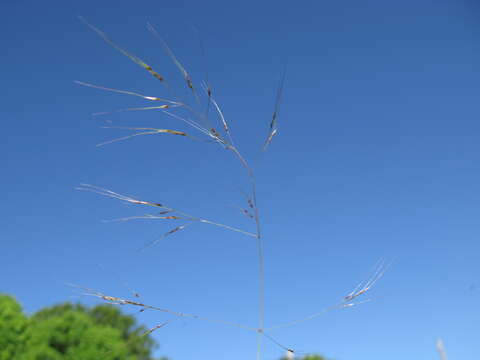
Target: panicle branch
pixel 347 301
pixel 121 301
pixel 160 216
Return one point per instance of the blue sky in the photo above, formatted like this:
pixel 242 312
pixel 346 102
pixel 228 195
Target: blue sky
pixel 376 157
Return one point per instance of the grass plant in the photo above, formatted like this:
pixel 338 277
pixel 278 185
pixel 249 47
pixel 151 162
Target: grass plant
pixel 203 114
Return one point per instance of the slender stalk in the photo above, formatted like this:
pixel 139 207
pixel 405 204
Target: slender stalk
pixel 259 345
pixel 260 256
pixel 261 274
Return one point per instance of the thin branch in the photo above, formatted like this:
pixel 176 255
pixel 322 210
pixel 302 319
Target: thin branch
pixel 151 98
pixel 317 314
pixel 212 100
pixel 133 58
pixel 145 108
pixel 146 216
pixel 156 241
pixel 151 131
pixel 185 216
pixel 156 327
pixel 273 122
pixel 122 301
pixel 276 342
pixel 363 287
pixel 112 194
pixel 189 122
pixel 347 301
pixel 185 74
pixel 309 317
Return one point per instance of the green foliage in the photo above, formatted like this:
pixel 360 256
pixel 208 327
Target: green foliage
pixel 71 332
pixel 309 357
pixel 13 324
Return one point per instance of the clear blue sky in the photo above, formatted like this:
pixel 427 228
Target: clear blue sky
pixel 377 156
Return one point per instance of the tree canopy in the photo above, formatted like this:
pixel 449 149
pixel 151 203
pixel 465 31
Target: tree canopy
pixel 71 332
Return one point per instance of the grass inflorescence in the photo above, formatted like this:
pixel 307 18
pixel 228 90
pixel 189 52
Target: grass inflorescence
pixel 198 115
